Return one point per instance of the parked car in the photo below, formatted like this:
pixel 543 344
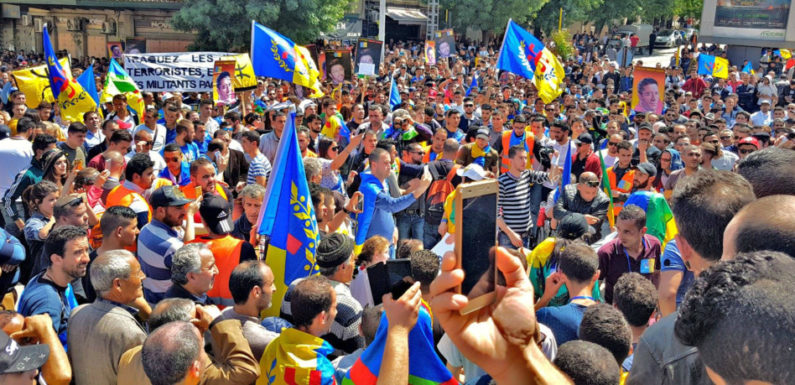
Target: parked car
pixel 642 30
pixel 667 38
pixel 689 32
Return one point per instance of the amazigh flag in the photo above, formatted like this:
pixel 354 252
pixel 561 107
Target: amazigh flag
pixel 659 217
pixel 89 83
pixel 336 128
pixel 523 54
pixel 73 101
pixel 611 216
pixel 34 82
pixel 473 84
pixel 425 367
pixel 566 176
pixel 288 218
pixel 276 56
pixel 117 81
pixel 713 66
pixel 748 69
pixel 394 95
pixel 296 358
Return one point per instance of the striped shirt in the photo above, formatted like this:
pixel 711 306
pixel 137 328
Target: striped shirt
pixel 259 166
pixel 515 198
pixel 157 243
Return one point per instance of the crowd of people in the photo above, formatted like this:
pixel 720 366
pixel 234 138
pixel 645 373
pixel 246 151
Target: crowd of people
pixel 130 252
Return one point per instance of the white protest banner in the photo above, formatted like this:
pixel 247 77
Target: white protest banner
pixel 176 71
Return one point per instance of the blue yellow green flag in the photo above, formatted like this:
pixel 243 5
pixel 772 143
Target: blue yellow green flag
pixel 288 218
pixel 713 66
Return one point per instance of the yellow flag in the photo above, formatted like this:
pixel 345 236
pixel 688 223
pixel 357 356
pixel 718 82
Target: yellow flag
pixel 548 76
pixel 306 72
pixel 35 84
pixel 244 78
pixel 74 101
pixel 721 69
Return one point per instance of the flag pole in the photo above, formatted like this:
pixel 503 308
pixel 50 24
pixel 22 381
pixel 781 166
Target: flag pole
pixel 504 35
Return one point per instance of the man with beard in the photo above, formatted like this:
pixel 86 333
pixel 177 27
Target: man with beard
pixel 184 140
pixel 50 291
pixel 160 239
pixel 658 213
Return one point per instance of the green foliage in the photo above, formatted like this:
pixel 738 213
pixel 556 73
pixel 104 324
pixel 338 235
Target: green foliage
pixel 611 11
pixel 563 45
pixel 688 8
pixel 573 11
pixel 488 15
pixel 225 25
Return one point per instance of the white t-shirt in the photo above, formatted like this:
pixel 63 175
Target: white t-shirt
pixel 158 136
pixel 15 154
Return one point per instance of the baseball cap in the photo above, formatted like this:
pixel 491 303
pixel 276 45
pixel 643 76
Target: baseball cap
pixel 749 140
pixel 482 133
pixel 763 101
pixel 215 213
pixel 473 171
pixel 17 359
pixel 401 114
pixel 647 168
pixel 584 138
pixel 432 93
pixel 645 126
pixel 573 226
pixel 168 196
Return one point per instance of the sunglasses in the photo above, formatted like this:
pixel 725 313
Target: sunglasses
pixel 612 143
pixel 74 202
pixel 592 183
pixel 725 138
pixel 469 105
pixel 336 148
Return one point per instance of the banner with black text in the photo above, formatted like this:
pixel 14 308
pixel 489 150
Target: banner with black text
pixel 177 71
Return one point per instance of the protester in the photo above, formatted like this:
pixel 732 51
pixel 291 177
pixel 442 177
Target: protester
pixel 102 331
pixel 252 285
pixel 193 273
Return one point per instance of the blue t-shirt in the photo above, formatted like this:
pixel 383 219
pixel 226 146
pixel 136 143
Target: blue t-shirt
pixel 44 296
pixel 671 260
pixel 563 320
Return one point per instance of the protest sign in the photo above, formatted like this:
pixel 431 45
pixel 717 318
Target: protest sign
pixel 338 65
pixel 368 52
pixel 180 71
pixel 445 43
pixel 647 89
pixel 223 89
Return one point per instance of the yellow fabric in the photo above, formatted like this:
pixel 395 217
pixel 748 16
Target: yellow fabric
pixel 448 212
pixel 549 76
pixel 291 350
pixel 541 253
pixel 35 84
pixel 721 69
pixel 244 73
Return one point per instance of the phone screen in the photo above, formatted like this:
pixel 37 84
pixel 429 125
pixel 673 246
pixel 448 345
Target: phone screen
pixel 479 235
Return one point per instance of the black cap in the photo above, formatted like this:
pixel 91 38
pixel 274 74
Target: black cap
pixel 215 212
pixel 585 138
pixel 168 196
pixel 573 226
pixel 334 250
pixel 647 168
pixel 645 126
pixel 18 359
pixel 5 131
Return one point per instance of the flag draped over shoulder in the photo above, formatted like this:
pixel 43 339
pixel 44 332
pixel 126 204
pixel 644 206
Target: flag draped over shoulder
pixel 34 82
pixel 73 101
pixel 713 66
pixel 611 216
pixel 117 81
pixel 659 217
pixel 425 367
pixel 522 54
pixel 288 218
pixel 296 358
pixel 274 55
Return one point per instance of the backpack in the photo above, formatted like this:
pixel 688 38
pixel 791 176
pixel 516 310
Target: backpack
pixel 438 192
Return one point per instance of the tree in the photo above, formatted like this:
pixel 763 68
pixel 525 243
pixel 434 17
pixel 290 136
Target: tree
pixel 489 15
pixel 611 11
pixel 225 25
pixel 573 11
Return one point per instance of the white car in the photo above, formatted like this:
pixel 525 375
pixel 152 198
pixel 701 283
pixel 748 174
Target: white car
pixel 667 38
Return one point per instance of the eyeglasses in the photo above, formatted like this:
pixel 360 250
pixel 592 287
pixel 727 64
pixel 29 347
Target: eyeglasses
pixel 746 150
pixel 469 105
pixel 549 109
pixel 725 138
pixel 714 141
pixel 418 152
pixel 612 143
pixel 398 122
pixel 336 148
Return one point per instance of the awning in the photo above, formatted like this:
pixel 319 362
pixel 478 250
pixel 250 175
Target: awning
pixel 408 16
